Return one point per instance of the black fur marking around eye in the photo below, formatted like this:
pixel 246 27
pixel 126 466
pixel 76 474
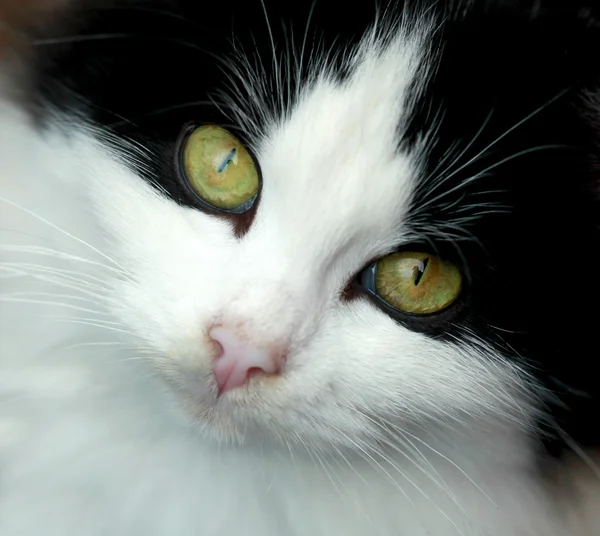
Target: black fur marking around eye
pixel 146 68
pixel 439 325
pixel 240 219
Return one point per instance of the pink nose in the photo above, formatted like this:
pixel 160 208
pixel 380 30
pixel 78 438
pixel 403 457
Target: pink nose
pixel 237 359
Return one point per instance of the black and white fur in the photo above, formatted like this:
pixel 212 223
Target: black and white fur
pixel 471 128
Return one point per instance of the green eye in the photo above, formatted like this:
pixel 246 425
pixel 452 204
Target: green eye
pixel 220 169
pixel 417 283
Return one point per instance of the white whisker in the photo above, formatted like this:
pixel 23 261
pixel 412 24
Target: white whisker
pixel 58 254
pixel 65 233
pixel 6 299
pixel 95 324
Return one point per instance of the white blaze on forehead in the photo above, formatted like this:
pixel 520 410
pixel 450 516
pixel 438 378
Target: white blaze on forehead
pixel 333 172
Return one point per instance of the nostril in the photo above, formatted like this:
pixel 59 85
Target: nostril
pixel 217 347
pixel 255 371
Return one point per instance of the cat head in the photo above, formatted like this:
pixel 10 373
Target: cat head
pixel 335 222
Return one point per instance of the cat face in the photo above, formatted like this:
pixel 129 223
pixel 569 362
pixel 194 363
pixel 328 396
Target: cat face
pixel 409 203
pixel 335 195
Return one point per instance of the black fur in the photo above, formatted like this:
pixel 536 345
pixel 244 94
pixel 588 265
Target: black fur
pixel 520 207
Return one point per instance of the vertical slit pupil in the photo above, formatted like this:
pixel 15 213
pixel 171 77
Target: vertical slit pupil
pixel 420 271
pixel 227 160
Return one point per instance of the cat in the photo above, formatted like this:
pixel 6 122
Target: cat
pixel 303 268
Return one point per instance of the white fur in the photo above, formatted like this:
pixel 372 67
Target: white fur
pixel 109 421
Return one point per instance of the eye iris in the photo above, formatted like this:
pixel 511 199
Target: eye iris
pixel 218 168
pixel 417 283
